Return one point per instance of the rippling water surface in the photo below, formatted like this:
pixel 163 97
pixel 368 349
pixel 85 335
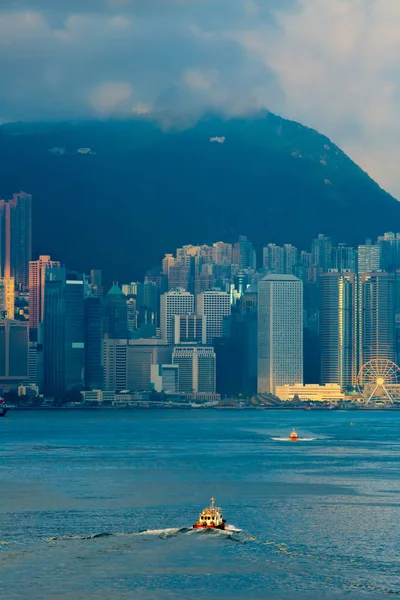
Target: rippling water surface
pixel 99 504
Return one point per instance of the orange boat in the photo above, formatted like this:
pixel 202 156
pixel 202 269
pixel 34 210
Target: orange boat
pixel 210 518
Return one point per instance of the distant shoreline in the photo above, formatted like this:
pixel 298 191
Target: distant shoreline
pixel 184 407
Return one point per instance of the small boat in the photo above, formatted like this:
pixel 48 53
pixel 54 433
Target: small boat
pixel 293 437
pixel 3 408
pixel 210 518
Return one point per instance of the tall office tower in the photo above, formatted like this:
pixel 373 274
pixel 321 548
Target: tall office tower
pixel 167 262
pixel 190 329
pixel 131 289
pixel 14 349
pixel 289 259
pixel 116 315
pixel 389 244
pixel 131 313
pixel 222 253
pixel 244 255
pixel 16 216
pixel 33 368
pixel 215 306
pixel 127 363
pixel 147 303
pixel 64 332
pixel 321 250
pixel 96 282
pixel 180 276
pixel 273 258
pixel 344 258
pixel 338 326
pixel 7 298
pixel 37 274
pixel 196 368
pixel 205 280
pixel 175 302
pixel 377 304
pixel 94 324
pixel 369 258
pixel 280 332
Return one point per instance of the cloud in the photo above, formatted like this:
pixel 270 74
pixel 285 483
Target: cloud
pixel 333 65
pixel 110 96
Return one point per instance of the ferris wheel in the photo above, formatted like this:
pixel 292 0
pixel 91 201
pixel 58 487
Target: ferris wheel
pixel 379 379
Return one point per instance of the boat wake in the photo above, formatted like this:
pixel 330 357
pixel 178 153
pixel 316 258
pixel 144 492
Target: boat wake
pixel 286 439
pixel 159 533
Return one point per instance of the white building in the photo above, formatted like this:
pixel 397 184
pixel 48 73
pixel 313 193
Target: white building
pixel 280 332
pixel 196 368
pixel 315 392
pixel 190 329
pixel 165 378
pixel 214 305
pixel 174 302
pixel 369 259
pixel 127 363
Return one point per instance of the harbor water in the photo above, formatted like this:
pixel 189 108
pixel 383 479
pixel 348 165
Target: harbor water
pixel 99 505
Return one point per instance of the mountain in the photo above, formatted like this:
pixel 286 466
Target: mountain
pixel 117 195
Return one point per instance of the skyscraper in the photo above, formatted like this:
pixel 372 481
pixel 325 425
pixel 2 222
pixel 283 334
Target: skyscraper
pixel 280 332
pixel 16 234
pixel 369 258
pixel 94 322
pixel 215 306
pixel 37 274
pixel 175 302
pixel 196 368
pixel 116 313
pixel 14 351
pixel 244 255
pixel 321 250
pixel 377 316
pixel 7 298
pixel 339 328
pixel 190 329
pixel 64 332
pixel 273 258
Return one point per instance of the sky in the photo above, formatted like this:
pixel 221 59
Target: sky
pixel 333 65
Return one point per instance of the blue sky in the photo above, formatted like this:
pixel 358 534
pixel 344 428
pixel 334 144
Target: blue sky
pixel 331 64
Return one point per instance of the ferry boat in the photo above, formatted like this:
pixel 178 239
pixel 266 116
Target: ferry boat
pixel 3 408
pixel 293 437
pixel 210 518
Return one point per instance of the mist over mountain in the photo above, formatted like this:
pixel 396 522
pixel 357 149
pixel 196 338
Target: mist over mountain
pixel 117 195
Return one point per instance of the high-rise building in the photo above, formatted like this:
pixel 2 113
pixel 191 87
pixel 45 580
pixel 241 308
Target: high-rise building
pixel 174 302
pixel 338 326
pixel 37 274
pixel 116 313
pixel 94 324
pixel 64 332
pixel 96 282
pixel 127 363
pixel 273 258
pixel 280 332
pixel 215 306
pixel 131 314
pixel 16 238
pixel 130 289
pixel 165 378
pixel 290 258
pixel 344 258
pixel 222 253
pixel 244 255
pixel 7 298
pixel 377 304
pixel 14 351
pixel 190 329
pixel 33 367
pixel 369 258
pixel 321 250
pixel 196 368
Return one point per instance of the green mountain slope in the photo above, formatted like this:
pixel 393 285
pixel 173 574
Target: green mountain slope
pixel 117 195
